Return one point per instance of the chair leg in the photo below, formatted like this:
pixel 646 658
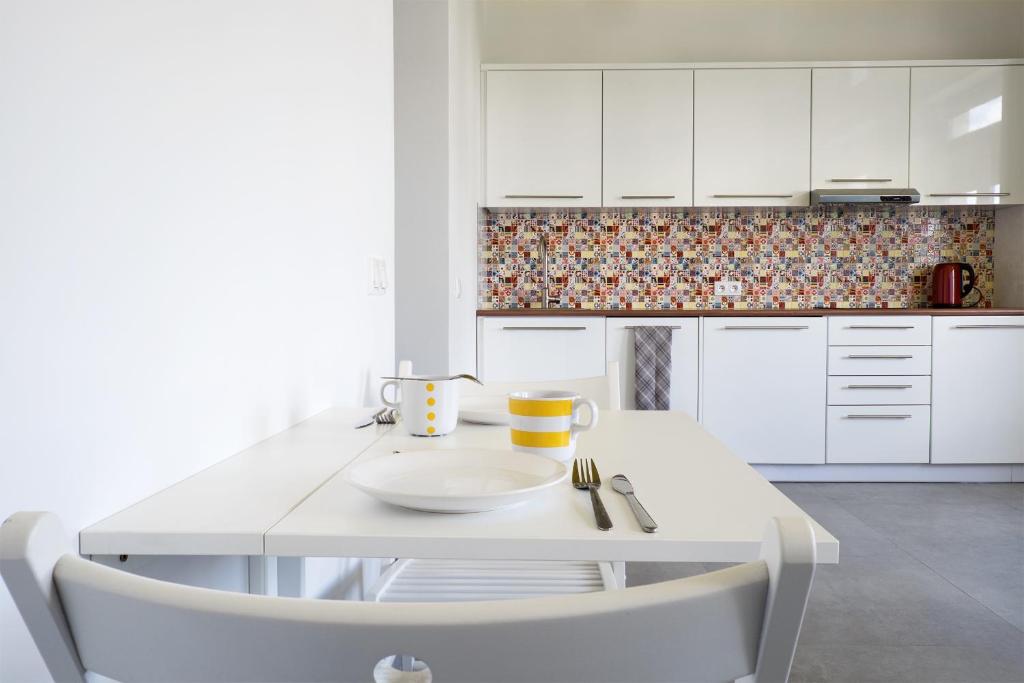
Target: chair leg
pixel 371 569
pixel 620 573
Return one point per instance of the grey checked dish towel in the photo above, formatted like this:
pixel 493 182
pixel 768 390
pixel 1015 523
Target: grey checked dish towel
pixel 653 379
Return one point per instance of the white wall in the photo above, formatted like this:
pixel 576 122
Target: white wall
pixel 421 184
pixel 749 30
pixel 189 193
pixel 1009 257
pixel 465 181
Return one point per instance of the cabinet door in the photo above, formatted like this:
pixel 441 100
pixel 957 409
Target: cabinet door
pixel 533 349
pixel 860 127
pixel 648 138
pixel 620 340
pixel 752 137
pixel 967 134
pixel 764 387
pixel 978 389
pixel 543 138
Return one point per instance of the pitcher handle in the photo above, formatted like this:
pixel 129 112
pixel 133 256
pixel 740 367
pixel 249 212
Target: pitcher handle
pixel 383 389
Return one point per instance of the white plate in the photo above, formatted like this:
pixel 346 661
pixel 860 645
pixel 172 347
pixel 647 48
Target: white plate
pixel 458 480
pixel 484 410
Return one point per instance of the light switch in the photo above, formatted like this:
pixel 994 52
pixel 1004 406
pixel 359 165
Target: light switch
pixel 378 276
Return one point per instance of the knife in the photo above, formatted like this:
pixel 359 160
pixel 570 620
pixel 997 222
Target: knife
pixel 370 420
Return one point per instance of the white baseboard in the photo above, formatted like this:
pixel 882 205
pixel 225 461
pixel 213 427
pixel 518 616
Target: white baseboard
pixel 893 473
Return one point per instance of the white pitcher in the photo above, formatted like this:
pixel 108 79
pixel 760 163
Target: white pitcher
pixel 429 405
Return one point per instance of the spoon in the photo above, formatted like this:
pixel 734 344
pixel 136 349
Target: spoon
pixel 440 378
pixel 621 484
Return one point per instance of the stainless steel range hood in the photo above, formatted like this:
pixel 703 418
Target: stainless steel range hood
pixel 888 195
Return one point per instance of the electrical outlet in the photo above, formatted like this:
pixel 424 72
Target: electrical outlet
pixel 728 288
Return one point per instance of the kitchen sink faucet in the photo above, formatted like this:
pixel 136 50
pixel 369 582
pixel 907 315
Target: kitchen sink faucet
pixel 546 298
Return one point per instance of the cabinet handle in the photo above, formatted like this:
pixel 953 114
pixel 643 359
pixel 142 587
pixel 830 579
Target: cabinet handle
pixel 752 196
pixel 638 327
pixel 543 196
pixel 860 180
pixel 969 194
pixel 878 417
pixel 987 327
pixel 878 356
pixel 879 386
pixel 512 328
pixel 648 196
pixel 880 327
pixel 766 327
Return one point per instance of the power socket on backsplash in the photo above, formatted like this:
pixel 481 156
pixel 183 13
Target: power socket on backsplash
pixel 728 288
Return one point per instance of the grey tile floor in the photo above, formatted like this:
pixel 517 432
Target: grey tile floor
pixel 929 585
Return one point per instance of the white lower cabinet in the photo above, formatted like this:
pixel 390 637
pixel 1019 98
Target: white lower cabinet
pixel 775 392
pixel 878 434
pixel 764 387
pixel 978 389
pixel 532 349
pixel 620 340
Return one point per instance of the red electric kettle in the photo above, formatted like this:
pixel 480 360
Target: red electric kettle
pixel 948 286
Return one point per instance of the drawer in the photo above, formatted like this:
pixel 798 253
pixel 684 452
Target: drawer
pixel 879 360
pixel 867 330
pixel 867 390
pixel 878 434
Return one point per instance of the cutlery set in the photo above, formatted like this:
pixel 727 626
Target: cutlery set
pixel 384 416
pixel 586 477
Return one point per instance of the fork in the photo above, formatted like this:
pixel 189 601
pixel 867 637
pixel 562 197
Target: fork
pixel 386 417
pixel 585 476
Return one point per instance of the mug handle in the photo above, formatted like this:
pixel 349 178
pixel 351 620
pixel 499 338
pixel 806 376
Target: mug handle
pixel 578 427
pixel 383 390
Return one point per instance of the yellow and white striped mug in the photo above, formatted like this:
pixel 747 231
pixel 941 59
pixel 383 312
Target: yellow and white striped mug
pixel 548 422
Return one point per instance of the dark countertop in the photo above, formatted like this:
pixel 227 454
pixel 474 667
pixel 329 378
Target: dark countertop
pixel 712 312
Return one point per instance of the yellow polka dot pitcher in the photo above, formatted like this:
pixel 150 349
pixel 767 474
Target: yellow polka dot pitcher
pixel 429 406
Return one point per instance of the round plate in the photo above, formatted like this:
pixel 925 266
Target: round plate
pixel 484 410
pixel 458 480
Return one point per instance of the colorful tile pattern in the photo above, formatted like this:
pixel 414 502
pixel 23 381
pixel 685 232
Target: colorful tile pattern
pixel 821 257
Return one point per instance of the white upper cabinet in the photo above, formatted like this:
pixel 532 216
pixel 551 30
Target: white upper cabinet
pixel 967 134
pixel 752 137
pixel 648 138
pixel 860 127
pixel 543 138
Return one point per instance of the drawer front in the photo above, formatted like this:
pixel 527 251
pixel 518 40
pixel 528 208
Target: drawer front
pixel 866 330
pixel 532 349
pixel 867 390
pixel 879 360
pixel 878 434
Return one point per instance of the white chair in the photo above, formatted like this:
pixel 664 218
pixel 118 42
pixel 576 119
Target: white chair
pixel 736 622
pixel 604 390
pixel 411 580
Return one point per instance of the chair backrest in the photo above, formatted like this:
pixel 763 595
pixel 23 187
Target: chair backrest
pixel 740 621
pixel 604 390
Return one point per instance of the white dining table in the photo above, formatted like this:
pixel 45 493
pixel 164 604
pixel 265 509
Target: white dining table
pixel 287 499
pixel 710 505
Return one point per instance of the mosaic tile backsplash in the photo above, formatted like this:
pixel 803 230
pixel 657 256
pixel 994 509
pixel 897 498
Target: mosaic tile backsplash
pixel 820 257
